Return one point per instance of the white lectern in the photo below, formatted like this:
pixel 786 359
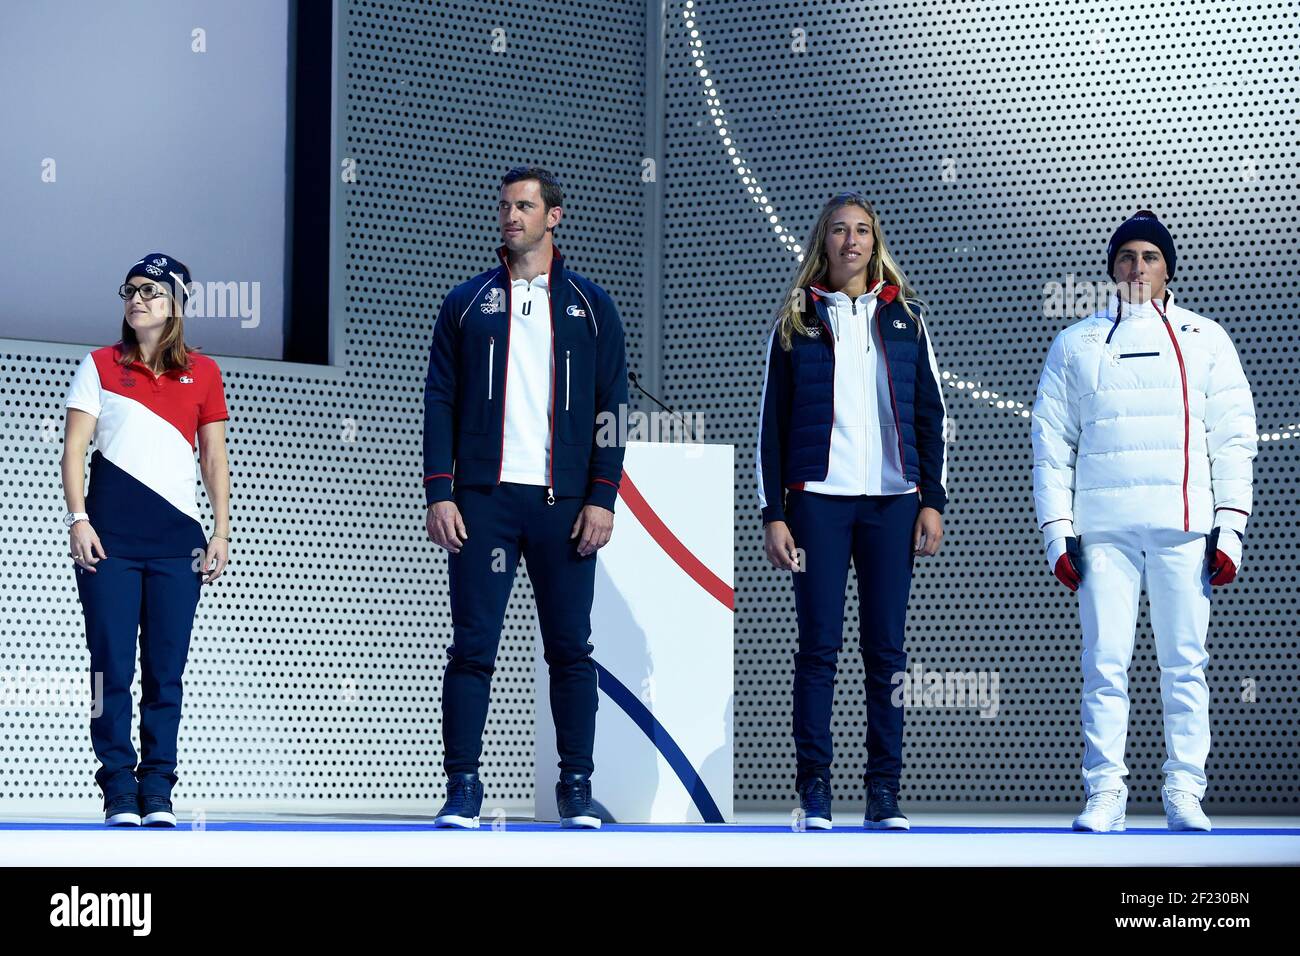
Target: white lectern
pixel 662 628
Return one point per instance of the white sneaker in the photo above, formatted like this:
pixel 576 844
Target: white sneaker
pixel 1183 810
pixel 1104 812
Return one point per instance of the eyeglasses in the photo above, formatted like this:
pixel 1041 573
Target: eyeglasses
pixel 147 290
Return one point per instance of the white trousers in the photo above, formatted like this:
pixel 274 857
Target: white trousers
pixel 1178 591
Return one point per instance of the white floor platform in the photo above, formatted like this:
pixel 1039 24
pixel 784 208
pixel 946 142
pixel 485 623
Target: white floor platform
pixel 756 840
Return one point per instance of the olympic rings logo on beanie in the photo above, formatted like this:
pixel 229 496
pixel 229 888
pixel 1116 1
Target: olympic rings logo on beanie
pixel 156 264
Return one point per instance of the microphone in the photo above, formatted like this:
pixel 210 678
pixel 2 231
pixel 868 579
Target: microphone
pixel 632 377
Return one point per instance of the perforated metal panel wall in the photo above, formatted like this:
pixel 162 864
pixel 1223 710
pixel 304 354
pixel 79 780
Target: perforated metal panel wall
pixel 1002 144
pixel 314 675
pixel 1002 147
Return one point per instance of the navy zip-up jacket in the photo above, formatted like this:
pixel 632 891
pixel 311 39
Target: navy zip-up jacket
pixel 797 412
pixel 464 415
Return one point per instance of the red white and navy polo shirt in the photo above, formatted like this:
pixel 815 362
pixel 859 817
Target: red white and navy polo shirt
pixel 142 500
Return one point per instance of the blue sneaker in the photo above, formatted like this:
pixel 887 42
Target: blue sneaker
pixel 157 810
pixel 815 803
pixel 122 811
pixel 882 809
pixel 573 797
pixel 464 801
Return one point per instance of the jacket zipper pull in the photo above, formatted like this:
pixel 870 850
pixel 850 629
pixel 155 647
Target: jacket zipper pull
pixel 550 497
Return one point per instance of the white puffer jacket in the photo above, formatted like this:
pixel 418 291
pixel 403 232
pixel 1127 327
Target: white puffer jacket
pixel 1144 420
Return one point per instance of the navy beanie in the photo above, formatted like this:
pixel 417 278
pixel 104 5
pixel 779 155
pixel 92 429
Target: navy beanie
pixel 165 270
pixel 1143 225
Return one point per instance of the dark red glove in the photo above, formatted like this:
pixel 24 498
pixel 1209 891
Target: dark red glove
pixel 1222 568
pixel 1069 566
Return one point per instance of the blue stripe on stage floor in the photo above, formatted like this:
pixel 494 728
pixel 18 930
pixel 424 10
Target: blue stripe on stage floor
pixel 529 827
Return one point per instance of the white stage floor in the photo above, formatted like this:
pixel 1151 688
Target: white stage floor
pixel 758 839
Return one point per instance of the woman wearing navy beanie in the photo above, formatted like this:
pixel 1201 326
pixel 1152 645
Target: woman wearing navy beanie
pixel 140 550
pixel 851 467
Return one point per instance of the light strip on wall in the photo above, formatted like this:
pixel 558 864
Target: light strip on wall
pixel 990 399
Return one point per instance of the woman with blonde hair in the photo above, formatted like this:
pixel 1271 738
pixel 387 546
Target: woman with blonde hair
pixel 140 550
pixel 851 467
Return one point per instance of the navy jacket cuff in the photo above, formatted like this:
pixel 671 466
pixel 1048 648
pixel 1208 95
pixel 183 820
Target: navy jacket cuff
pixel 437 488
pixel 602 494
pixel 934 499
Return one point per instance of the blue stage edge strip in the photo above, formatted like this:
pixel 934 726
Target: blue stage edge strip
pixel 525 826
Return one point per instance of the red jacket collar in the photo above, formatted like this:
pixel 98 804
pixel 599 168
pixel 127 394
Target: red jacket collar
pixel 886 295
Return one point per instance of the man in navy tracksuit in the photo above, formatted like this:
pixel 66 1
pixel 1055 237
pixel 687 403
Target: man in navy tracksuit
pixel 526 367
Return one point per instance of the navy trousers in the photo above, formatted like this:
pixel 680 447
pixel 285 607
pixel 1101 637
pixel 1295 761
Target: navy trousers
pixel 154 599
pixel 875 532
pixel 504 522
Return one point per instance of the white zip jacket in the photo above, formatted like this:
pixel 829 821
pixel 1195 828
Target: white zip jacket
pixel 1144 420
pixel 859 463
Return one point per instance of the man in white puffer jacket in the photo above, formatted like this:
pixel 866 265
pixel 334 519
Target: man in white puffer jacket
pixel 1144 437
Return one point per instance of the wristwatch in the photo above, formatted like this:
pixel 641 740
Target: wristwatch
pixel 72 517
